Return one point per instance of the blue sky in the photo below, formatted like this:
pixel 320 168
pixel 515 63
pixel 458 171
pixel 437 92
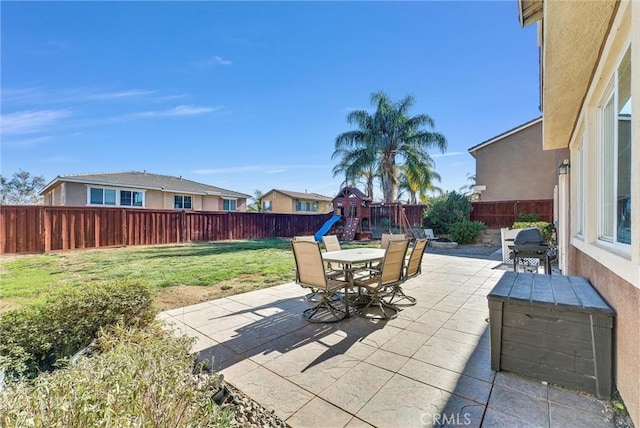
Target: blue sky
pixel 246 95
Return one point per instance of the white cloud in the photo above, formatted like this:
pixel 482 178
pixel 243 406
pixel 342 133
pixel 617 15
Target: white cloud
pixel 211 62
pixel 445 155
pixel 22 95
pixel 25 143
pixel 219 60
pixel 179 111
pixel 119 94
pixel 26 122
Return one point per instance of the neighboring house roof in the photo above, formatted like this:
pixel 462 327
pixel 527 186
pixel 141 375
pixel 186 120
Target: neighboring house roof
pixel 348 191
pixel 300 195
pixel 492 140
pixel 145 180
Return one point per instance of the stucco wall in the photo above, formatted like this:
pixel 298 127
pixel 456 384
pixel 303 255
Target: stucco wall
pixel 516 167
pixel 75 194
pixel 279 203
pixel 624 298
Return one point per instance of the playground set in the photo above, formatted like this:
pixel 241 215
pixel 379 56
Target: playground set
pixel 357 217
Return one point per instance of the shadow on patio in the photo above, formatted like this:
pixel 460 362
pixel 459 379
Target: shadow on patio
pixel 428 367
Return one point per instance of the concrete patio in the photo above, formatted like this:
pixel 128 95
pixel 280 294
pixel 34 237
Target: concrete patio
pixel 428 367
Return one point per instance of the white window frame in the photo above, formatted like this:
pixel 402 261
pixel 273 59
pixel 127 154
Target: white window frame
pixel 580 188
pixel 267 206
pixel 302 204
pixel 103 188
pixel 610 94
pixel 132 198
pixel 182 207
pixel 117 191
pixel 234 200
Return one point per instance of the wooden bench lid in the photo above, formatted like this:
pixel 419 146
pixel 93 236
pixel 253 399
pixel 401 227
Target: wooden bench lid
pixel 553 290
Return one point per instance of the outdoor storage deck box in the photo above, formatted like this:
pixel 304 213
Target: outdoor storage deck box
pixel 554 328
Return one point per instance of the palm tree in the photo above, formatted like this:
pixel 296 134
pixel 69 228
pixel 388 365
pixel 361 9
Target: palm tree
pixel 354 169
pixel 255 205
pixel 418 181
pixel 387 139
pixel 467 189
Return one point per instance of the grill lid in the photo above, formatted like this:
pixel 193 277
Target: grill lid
pixel 529 236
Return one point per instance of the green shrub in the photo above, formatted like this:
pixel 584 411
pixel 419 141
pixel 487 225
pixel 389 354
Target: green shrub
pixel 466 232
pixel 546 228
pixel 39 338
pixel 446 210
pixel 524 216
pixel 135 378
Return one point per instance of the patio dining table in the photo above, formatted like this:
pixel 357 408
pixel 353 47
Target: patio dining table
pixel 350 257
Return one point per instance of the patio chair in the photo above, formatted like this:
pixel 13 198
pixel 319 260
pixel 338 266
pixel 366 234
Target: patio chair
pixel 388 237
pixel 308 238
pixel 331 243
pixel 412 269
pixel 378 283
pixel 311 274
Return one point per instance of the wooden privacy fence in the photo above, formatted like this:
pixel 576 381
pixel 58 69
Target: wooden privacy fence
pixel 503 214
pixel 413 213
pixel 40 229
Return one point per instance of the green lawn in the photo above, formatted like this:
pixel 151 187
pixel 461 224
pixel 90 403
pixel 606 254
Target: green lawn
pixel 224 268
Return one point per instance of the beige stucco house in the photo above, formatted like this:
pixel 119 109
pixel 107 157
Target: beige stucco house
pixel 140 190
pixel 513 166
pixel 590 72
pixel 289 202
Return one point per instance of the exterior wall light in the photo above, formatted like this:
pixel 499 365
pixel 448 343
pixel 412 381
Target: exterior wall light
pixel 563 168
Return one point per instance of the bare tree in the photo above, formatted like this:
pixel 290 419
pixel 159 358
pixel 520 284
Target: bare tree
pixel 22 189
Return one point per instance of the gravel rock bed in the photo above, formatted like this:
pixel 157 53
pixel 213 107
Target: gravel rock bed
pixel 480 251
pixel 249 413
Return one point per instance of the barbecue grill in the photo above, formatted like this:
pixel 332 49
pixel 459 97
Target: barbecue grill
pixel 529 243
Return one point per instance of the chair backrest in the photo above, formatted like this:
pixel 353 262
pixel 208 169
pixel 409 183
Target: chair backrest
pixel 387 237
pixel 393 263
pixel 308 238
pixel 309 264
pixel 331 243
pixel 428 233
pixel 415 259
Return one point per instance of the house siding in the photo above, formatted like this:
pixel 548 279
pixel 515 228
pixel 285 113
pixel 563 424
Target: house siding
pixel 612 268
pixel 285 204
pixel 624 297
pixel 516 168
pixel 75 194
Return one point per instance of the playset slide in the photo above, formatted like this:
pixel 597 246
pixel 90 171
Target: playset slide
pixel 325 227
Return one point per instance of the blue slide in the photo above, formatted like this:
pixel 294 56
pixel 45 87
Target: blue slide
pixel 325 227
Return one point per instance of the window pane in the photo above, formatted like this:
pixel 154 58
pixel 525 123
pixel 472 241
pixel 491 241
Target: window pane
pixel 109 197
pixel 581 181
pixel 623 220
pixel 608 120
pixel 177 201
pixel 137 199
pixel 125 198
pixel 232 205
pixel 96 196
pixel 187 202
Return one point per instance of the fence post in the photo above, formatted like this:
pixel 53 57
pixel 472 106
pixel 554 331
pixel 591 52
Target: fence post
pixel 183 226
pixel 47 229
pixel 41 232
pixel 125 237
